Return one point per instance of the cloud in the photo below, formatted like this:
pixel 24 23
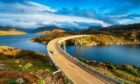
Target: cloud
pixel 37 20
pixel 109 13
pixel 29 7
pixel 88 13
pixel 28 14
pixel 33 15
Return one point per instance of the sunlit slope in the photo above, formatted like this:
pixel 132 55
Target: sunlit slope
pixel 11 32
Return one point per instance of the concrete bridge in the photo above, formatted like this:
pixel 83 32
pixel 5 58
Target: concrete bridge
pixel 77 72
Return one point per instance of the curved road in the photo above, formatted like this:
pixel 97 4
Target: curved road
pixel 74 72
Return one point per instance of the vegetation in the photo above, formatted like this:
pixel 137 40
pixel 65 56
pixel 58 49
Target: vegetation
pixel 27 66
pixel 98 37
pixel 128 73
pixel 50 35
pixel 128 35
pixel 109 37
pixel 11 32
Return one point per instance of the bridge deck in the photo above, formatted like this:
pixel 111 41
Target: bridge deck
pixel 71 70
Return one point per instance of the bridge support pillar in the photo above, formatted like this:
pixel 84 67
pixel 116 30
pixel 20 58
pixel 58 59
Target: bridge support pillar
pixel 64 46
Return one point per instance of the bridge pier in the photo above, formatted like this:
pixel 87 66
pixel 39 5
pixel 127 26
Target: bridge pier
pixel 77 41
pixel 64 45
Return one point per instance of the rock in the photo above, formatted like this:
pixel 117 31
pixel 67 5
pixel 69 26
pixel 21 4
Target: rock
pixel 1 66
pixel 20 81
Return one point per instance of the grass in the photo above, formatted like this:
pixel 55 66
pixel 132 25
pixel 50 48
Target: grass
pixel 27 65
pixel 10 32
pixel 31 66
pixel 128 73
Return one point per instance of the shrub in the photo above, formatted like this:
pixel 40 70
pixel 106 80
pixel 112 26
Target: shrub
pixel 130 69
pixel 27 66
pixel 112 67
pixel 41 82
pixel 12 82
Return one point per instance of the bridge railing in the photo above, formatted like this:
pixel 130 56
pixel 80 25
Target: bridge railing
pixel 93 69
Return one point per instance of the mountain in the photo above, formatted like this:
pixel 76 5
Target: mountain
pixel 10 31
pixel 15 28
pixel 116 27
pixel 135 26
pixel 47 28
pixel 6 28
pixel 94 27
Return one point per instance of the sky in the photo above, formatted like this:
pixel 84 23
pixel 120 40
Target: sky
pixel 68 13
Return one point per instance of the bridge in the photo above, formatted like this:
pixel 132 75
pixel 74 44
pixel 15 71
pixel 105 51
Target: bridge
pixel 77 72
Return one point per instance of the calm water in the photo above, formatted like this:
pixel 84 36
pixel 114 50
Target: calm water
pixel 23 42
pixel 115 54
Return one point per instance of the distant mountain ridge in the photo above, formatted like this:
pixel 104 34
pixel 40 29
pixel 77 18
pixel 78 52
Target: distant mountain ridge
pixel 47 28
pixel 127 27
pixel 116 27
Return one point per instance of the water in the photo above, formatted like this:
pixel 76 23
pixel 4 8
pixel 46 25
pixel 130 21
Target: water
pixel 117 54
pixel 123 54
pixel 23 42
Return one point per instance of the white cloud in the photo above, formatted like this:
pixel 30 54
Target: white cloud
pixel 32 15
pixel 129 21
pixel 40 7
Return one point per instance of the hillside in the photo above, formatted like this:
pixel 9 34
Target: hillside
pixel 4 32
pixel 52 31
pixel 135 26
pixel 49 35
pixel 49 28
pixel 28 66
pixel 129 35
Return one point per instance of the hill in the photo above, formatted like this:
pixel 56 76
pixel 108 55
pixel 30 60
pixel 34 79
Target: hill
pixel 10 31
pixel 135 26
pixel 52 34
pixel 28 66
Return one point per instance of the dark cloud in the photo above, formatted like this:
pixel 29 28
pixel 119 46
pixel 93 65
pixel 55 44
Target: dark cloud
pixel 135 2
pixel 76 11
pixel 12 1
pixel 88 13
pixel 131 16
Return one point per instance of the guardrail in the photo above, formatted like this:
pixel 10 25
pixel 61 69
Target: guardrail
pixel 93 69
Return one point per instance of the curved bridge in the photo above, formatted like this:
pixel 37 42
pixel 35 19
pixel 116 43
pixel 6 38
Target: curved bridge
pixel 73 70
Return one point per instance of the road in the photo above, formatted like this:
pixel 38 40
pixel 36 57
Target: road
pixel 74 72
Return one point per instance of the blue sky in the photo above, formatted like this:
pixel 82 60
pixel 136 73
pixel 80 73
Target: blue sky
pixel 68 13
